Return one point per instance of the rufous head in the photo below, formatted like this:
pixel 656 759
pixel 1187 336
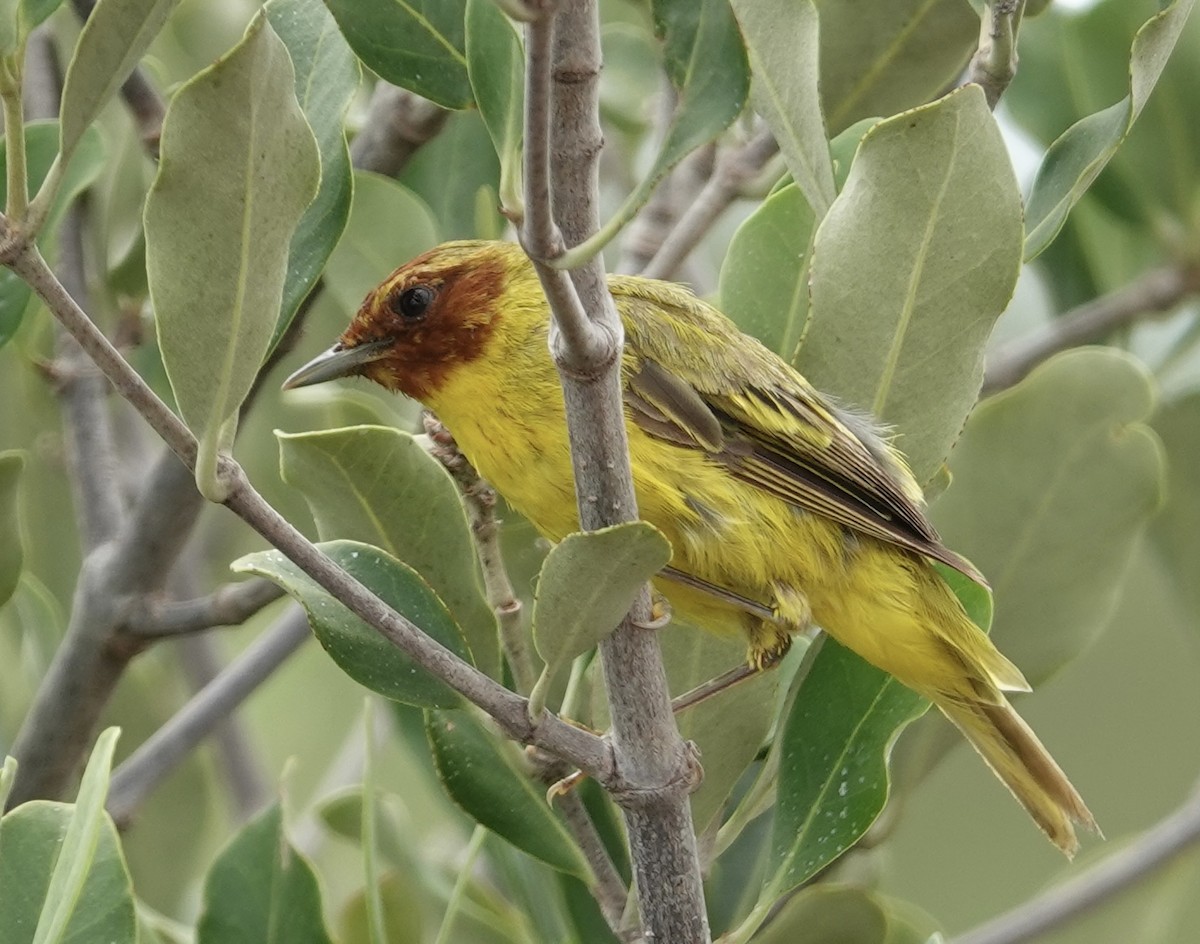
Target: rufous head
pixel 427 318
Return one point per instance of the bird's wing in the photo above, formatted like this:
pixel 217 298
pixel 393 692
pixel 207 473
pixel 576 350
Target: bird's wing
pixel 748 410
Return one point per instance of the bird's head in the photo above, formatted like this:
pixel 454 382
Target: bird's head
pixel 428 318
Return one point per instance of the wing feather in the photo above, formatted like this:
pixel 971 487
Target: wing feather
pixel 750 411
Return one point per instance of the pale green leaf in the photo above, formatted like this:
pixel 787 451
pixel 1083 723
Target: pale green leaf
pixel 496 66
pixel 388 226
pixel 1053 485
pixel 261 889
pixel 114 38
pixel 782 42
pixel 11 556
pixel 377 485
pixel 764 280
pixel 828 914
pixel 327 76
pixel 456 179
pixel 1175 533
pixel 32 836
pixel 879 57
pixel 18 18
pixel 1075 160
pixel 239 164
pixel 62 875
pixel 912 266
pixel 416 44
pixel 587 585
pixel 358 649
pixel 484 775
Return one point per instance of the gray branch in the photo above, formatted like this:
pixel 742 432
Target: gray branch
pixel 1156 292
pixel 562 145
pixel 994 64
pixel 1154 849
pixel 734 169
pixel 209 708
pixel 229 605
pixel 398 123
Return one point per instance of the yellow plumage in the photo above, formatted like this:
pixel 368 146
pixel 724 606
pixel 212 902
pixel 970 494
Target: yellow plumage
pixel 781 508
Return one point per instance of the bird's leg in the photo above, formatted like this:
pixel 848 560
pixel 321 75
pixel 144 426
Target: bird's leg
pixel 770 640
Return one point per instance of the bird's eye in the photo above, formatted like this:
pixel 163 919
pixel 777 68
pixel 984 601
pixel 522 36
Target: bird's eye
pixel 412 303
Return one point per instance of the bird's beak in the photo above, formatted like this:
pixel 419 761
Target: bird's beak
pixel 338 361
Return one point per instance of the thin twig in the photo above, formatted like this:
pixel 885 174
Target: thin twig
pixel 1156 292
pixel 228 605
pixel 167 747
pixel 397 124
pixel 734 168
pixel 610 891
pixel 1155 848
pixel 480 500
pixel 995 61
pixel 91 455
pixel 561 119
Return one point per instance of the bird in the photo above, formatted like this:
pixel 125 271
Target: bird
pixel 784 508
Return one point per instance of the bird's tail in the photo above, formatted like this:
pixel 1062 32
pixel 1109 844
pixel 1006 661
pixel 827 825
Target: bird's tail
pixel 1018 758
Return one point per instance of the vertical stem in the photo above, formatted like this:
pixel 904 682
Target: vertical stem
pixel 14 137
pixel 562 146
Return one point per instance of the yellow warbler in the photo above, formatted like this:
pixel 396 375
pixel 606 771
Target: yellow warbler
pixel 782 509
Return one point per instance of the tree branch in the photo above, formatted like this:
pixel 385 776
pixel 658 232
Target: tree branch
pixel 562 144
pixel 1154 849
pixel 480 501
pixel 229 605
pixel 398 123
pixel 995 61
pixel 167 747
pixel 734 168
pixel 1156 292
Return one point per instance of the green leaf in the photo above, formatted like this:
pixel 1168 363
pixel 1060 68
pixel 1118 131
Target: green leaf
pixel 587 585
pixel 781 40
pixel 361 652
pixel 41 149
pixel 388 226
pixel 1175 533
pixel 1053 484
pixel 327 76
pixel 764 280
pixel 483 774
pixel 730 728
pixel 377 485
pixel 18 18
pixel 828 914
pixel 113 40
pixel 261 889
pixel 833 763
pixel 878 59
pixel 62 874
pixel 418 44
pixel 912 266
pixel 1075 160
pixel 496 65
pixel 239 165
pixel 11 556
